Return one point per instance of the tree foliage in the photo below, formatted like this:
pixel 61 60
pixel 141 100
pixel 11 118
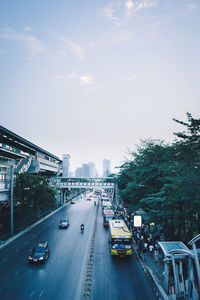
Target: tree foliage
pixel 33 190
pixel 163 179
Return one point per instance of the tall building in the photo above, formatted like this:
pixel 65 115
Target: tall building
pixel 85 168
pixel 88 170
pixel 79 172
pixel 92 170
pixel 65 165
pixel 106 167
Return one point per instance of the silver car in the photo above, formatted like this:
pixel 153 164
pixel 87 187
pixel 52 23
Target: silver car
pixel 64 223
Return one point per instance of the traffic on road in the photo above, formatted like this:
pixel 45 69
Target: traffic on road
pixel 28 271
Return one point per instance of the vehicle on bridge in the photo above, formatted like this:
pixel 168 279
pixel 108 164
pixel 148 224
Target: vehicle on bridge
pixel 120 238
pixel 108 214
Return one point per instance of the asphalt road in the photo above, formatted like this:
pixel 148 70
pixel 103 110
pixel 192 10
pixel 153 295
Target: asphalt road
pixel 115 277
pixel 63 275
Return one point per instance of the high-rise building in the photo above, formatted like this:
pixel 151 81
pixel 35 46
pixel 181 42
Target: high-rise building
pixel 85 168
pixel 92 170
pixel 106 167
pixel 88 170
pixel 79 172
pixel 65 165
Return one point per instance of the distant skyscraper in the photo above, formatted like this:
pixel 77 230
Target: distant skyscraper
pixel 106 167
pixel 65 165
pixel 79 172
pixel 85 168
pixel 92 170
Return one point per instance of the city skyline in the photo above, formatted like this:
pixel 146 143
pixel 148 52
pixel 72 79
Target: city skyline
pixel 93 78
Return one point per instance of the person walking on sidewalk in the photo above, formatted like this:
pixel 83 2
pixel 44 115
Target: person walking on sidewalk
pixel 156 253
pixel 144 253
pixel 151 249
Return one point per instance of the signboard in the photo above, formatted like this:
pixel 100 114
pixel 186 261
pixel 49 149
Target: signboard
pixel 137 221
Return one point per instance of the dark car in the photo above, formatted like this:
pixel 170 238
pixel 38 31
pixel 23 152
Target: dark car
pixel 64 223
pixel 40 253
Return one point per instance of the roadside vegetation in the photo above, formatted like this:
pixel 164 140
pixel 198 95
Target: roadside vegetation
pixel 164 180
pixel 34 191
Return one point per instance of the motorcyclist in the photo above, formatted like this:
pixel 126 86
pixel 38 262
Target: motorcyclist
pixel 82 227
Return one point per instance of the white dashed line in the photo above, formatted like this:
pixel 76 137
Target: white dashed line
pixel 17 272
pixel 42 292
pixel 33 292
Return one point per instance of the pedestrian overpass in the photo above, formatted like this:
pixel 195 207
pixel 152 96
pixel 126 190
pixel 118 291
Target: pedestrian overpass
pixel 83 183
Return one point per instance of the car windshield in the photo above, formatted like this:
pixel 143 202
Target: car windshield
pixel 39 249
pixel 63 221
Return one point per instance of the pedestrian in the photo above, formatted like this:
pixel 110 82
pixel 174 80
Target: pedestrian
pixel 144 253
pixel 151 249
pixel 156 252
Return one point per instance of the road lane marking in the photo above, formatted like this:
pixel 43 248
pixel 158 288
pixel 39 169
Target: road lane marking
pixel 42 292
pixel 33 292
pixel 17 272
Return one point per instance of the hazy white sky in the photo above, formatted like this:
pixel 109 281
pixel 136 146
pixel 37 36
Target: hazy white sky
pixel 91 78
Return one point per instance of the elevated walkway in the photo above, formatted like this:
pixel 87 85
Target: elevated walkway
pixel 83 183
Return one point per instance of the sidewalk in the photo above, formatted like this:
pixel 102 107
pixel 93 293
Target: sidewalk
pixel 154 271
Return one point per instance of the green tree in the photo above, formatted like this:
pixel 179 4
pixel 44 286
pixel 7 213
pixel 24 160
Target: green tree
pixel 164 180
pixel 33 190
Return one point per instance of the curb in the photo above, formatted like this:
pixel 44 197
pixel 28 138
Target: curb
pixel 158 289
pixel 160 292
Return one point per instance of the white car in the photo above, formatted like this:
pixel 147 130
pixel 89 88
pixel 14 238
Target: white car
pixel 64 223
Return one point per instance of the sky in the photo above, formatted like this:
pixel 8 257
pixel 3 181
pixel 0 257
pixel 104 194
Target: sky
pixel 93 78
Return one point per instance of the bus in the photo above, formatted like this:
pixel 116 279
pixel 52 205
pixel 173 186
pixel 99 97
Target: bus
pixel 108 214
pixel 106 205
pixel 120 238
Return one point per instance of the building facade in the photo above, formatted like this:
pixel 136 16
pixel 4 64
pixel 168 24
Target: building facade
pixel 106 168
pixel 65 165
pixel 22 156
